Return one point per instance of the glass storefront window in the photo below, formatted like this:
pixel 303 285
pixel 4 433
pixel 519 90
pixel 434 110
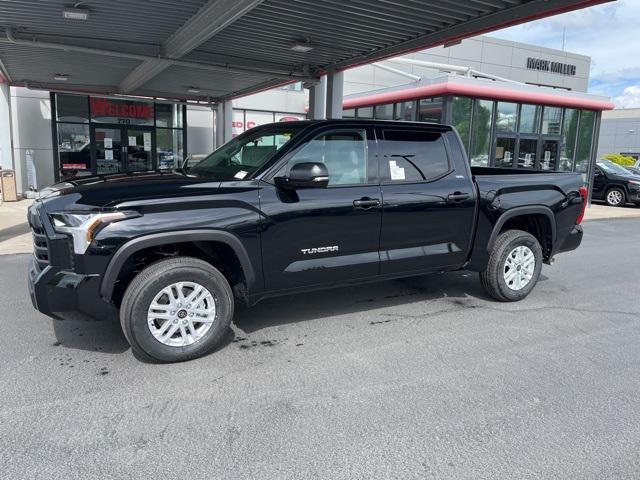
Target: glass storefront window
pixel 121 112
pixel 365 112
pixel 349 113
pixel 505 148
pixel 461 118
pixel 430 110
pixel 405 111
pixel 569 132
pixel 506 117
pixel 529 119
pixel 74 148
pixel 169 148
pixel 585 140
pixel 481 134
pixel 384 112
pixel 527 152
pixel 288 117
pixel 168 115
pixel 72 108
pixel 551 120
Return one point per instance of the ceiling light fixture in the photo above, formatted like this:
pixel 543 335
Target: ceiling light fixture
pixel 193 90
pixel 61 77
pixel 301 47
pixel 76 13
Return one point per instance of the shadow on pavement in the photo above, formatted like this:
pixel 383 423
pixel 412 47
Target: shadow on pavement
pixel 460 288
pixel 105 337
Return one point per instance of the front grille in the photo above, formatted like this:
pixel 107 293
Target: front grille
pixel 40 242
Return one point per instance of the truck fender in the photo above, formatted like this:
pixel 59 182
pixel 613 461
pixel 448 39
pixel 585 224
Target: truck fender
pixel 155 239
pixel 518 212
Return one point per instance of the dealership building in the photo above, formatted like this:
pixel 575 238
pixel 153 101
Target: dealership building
pixel 514 105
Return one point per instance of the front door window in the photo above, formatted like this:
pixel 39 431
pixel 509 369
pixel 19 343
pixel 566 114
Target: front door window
pixel 139 150
pixel 549 155
pixel 505 149
pixel 527 153
pixel 109 155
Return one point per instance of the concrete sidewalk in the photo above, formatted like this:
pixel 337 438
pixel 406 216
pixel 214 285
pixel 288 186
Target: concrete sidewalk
pixel 15 236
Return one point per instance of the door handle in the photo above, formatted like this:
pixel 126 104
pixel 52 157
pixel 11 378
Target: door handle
pixel 365 203
pixel 457 197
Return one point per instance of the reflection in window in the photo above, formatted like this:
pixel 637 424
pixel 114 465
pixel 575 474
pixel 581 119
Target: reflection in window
pixel 481 134
pixel 551 120
pixel 343 153
pixel 405 111
pixel 461 118
pixel 384 112
pixel 72 108
pixel 527 151
pixel 169 148
pixel 74 148
pixel 413 156
pixel 430 110
pixel 505 148
pixel 530 119
pixel 365 113
pixel 585 138
pixel 569 132
pixel 168 115
pixel 506 117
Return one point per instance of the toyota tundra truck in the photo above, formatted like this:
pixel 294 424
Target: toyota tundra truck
pixel 288 208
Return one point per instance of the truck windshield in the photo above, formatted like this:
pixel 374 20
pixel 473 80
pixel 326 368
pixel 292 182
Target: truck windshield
pixel 614 168
pixel 241 157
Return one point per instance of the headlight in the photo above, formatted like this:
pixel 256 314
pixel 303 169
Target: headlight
pixel 83 227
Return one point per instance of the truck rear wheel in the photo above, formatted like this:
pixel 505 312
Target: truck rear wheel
pixel 176 309
pixel 514 266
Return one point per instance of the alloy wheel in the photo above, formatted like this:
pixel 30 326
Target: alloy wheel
pixel 519 267
pixel 181 314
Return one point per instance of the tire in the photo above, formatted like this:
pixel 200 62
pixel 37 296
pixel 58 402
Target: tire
pixel 615 197
pixel 142 326
pixel 494 277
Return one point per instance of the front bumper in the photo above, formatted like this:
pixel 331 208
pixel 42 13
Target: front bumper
pixel 572 240
pixel 62 294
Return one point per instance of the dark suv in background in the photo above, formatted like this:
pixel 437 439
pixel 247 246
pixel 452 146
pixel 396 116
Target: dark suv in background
pixel 615 185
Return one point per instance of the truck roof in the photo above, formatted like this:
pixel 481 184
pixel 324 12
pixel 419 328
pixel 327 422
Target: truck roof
pixel 358 121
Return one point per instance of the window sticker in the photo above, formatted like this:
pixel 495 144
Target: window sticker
pixel 108 154
pixel 240 175
pixel 397 173
pixel 108 142
pixel 147 141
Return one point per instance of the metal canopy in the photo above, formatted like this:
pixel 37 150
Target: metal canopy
pixel 220 49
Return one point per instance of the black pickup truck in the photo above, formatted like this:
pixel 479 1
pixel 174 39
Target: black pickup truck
pixel 286 208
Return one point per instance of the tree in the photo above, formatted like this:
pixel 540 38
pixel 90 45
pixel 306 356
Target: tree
pixel 620 159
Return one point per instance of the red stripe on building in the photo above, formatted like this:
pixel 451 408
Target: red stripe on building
pixel 478 91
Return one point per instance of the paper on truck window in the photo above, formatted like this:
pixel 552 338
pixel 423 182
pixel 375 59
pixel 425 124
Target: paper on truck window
pixel 397 173
pixel 240 175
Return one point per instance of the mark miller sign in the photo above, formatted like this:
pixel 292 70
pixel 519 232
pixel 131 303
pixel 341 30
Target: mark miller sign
pixel 549 66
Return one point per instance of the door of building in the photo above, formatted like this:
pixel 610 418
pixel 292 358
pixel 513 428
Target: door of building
pixel 122 148
pixel 548 156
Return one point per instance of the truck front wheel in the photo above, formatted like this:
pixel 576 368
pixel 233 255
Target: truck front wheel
pixel 176 309
pixel 514 266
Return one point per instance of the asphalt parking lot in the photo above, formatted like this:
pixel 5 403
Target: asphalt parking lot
pixel 421 378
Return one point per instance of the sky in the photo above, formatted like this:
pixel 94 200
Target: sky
pixel 608 33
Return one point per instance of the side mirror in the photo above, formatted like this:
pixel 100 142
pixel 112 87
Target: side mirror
pixel 305 175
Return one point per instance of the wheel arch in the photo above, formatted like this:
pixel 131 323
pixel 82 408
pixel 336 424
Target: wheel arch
pixel 126 251
pixel 527 214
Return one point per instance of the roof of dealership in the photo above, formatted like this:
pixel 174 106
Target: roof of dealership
pixel 220 49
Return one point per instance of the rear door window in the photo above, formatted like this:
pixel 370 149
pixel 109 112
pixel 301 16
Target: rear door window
pixel 413 156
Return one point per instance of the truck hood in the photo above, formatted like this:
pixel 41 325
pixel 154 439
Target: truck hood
pixel 109 191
